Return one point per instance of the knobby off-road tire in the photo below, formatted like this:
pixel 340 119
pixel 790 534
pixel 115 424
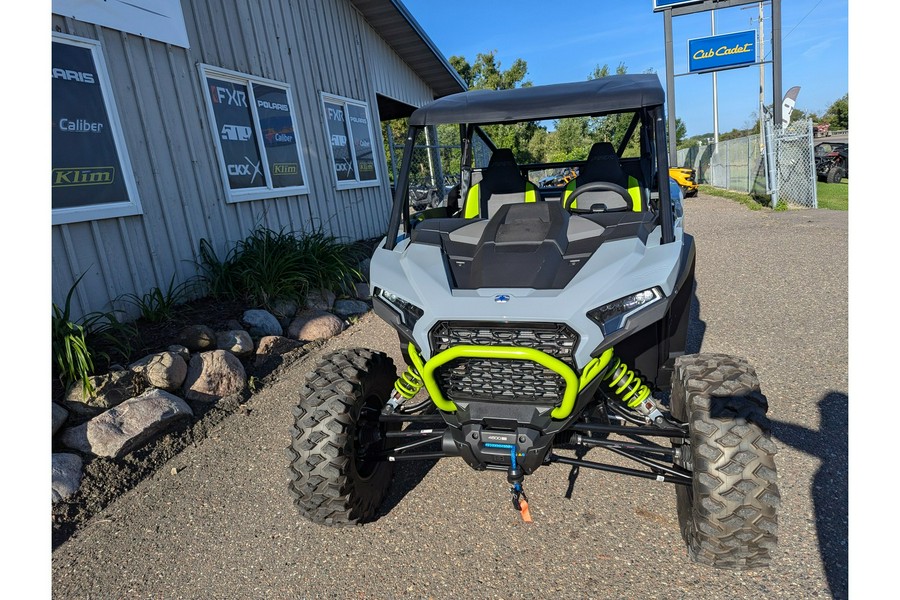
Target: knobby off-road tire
pixel 334 479
pixel 835 174
pixel 728 516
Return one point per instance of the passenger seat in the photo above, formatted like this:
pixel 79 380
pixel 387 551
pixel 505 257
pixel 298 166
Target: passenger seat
pixel 501 183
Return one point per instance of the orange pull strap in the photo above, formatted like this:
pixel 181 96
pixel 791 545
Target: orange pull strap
pixel 523 510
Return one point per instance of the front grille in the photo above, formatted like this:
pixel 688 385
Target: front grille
pixel 500 380
pixel 503 380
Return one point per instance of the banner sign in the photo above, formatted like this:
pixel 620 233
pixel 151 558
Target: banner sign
pixel 659 5
pixel 237 136
pixel 279 137
pixel 362 142
pixel 336 118
pixel 161 20
pixel 86 170
pixel 719 52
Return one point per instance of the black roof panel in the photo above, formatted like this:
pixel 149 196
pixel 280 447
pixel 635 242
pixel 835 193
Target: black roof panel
pixel 615 93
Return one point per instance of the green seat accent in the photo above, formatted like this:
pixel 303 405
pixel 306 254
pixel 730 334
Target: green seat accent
pixel 634 190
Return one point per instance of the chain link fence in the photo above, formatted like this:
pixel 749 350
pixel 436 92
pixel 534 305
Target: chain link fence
pixel 741 164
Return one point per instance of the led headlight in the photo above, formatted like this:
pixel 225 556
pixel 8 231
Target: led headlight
pixel 611 316
pixel 409 312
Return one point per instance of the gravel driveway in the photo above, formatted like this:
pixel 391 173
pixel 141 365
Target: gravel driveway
pixel 772 287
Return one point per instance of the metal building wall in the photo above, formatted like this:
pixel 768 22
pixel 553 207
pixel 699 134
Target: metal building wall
pixel 313 45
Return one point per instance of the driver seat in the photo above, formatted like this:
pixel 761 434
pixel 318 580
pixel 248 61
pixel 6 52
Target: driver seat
pixel 603 165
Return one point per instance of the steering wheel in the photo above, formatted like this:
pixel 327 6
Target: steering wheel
pixel 599 186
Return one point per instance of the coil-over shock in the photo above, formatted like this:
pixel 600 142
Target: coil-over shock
pixel 622 383
pixel 407 385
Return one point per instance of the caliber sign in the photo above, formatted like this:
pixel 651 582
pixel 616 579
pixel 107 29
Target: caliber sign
pixel 86 166
pixel 719 52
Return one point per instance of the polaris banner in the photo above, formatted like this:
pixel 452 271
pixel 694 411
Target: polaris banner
pixel 719 52
pixel 86 170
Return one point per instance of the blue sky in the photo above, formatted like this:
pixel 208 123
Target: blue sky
pixel 564 41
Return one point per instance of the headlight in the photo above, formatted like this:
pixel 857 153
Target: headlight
pixel 409 312
pixel 611 316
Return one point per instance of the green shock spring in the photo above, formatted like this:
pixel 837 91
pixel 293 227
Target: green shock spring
pixel 409 383
pixel 625 385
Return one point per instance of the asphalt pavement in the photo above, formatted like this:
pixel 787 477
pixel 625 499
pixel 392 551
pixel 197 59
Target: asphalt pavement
pixel 772 287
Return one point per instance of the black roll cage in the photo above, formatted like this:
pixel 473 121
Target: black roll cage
pixel 651 118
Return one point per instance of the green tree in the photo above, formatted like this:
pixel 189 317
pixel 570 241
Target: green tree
pixel 487 74
pixel 838 114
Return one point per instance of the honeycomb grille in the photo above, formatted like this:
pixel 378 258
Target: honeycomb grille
pixel 503 380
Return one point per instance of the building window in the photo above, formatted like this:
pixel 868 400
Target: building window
pixel 350 138
pixel 91 174
pixel 255 132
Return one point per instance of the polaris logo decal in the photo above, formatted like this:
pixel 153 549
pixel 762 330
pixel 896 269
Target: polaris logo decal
pixel 501 298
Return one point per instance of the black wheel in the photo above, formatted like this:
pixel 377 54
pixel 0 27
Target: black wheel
pixel 335 475
pixel 685 191
pixel 728 515
pixel 835 174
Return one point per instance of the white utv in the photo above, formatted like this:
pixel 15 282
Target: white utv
pixel 533 318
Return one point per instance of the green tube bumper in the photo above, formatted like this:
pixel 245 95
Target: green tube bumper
pixel 574 382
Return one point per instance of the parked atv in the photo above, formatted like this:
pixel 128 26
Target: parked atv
pixel 533 318
pixel 687 180
pixel 832 161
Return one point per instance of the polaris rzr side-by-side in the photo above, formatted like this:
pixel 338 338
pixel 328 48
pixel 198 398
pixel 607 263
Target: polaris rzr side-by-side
pixel 537 319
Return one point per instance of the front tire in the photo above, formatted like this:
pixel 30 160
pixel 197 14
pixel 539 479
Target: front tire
pixel 728 515
pixel 335 476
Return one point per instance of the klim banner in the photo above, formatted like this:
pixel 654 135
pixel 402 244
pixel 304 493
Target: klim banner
pixel 719 52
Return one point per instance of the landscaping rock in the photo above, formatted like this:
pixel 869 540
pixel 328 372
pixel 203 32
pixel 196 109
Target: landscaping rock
pixel 364 268
pixel 59 416
pixel 362 291
pixel 181 351
pixel 110 390
pixel 233 324
pixel 311 325
pixel 236 341
pixel 213 375
pixel 285 309
pixel 66 475
pixel 347 308
pixel 128 426
pixel 261 323
pixel 320 300
pixel 163 370
pixel 197 338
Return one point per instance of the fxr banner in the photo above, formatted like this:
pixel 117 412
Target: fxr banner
pixel 726 51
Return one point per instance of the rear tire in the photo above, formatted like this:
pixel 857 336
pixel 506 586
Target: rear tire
pixel 835 174
pixel 728 515
pixel 334 477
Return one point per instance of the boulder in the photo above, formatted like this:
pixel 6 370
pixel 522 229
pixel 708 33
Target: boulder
pixel 320 300
pixel 273 346
pixel 110 389
pixel 236 341
pixel 67 472
pixel 261 323
pixel 59 416
pixel 213 375
pixel 311 325
pixel 284 310
pixel 181 351
pixel 347 308
pixel 128 426
pixel 362 291
pixel 197 338
pixel 163 370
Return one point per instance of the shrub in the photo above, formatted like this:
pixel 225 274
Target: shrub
pixel 157 305
pixel 267 266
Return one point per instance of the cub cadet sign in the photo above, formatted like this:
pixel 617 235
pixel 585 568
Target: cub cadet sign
pixel 722 51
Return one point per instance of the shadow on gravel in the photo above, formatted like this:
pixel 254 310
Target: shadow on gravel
pixel 407 475
pixel 696 326
pixel 830 484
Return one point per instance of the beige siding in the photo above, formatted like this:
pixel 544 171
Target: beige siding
pixel 315 46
